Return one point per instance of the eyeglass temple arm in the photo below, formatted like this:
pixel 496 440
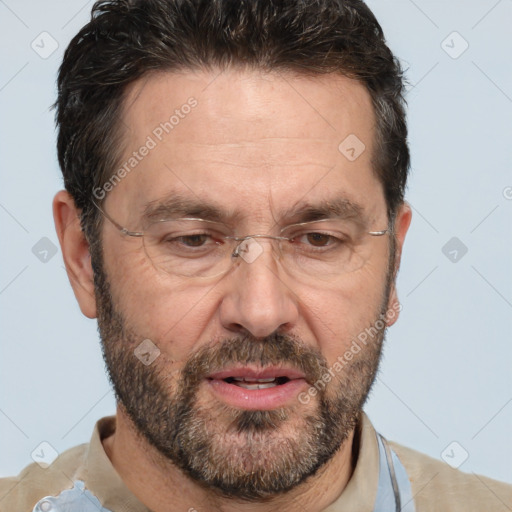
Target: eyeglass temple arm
pixel 121 229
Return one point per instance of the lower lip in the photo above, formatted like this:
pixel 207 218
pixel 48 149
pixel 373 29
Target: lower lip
pixel 257 399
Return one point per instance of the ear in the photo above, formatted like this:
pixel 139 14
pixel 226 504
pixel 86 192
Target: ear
pixel 75 251
pixel 402 223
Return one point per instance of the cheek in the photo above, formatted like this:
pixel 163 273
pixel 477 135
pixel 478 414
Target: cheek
pixel 170 312
pixel 336 316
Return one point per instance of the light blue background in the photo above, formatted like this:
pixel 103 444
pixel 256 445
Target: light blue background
pixel 446 373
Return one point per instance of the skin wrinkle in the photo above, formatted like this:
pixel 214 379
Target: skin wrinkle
pixel 261 165
pixel 250 156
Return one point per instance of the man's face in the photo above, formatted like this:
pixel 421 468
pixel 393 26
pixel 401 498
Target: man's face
pixel 256 148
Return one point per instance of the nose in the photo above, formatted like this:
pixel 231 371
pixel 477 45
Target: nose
pixel 258 299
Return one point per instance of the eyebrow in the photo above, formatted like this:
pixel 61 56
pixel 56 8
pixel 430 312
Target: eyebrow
pixel 338 208
pixel 177 206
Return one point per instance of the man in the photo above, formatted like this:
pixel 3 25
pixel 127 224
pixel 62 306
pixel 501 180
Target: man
pixel 234 217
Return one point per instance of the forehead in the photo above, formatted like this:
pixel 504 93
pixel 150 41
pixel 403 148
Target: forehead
pixel 254 142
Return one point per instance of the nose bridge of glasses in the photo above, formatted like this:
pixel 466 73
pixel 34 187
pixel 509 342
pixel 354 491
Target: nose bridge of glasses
pixel 248 247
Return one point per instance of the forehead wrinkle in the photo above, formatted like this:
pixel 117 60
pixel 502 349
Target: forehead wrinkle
pixel 252 156
pixel 262 163
pixel 265 146
pixel 285 152
pixel 257 140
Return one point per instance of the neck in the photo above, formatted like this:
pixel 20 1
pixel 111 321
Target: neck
pixel 162 487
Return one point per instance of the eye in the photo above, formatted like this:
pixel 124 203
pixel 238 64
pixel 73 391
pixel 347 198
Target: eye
pixel 317 239
pixel 197 240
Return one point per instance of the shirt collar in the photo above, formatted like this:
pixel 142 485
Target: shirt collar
pixel 100 475
pixel 361 490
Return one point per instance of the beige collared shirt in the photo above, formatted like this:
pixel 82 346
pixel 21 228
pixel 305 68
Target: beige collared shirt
pixel 436 487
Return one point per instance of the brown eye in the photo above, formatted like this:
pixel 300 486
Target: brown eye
pixel 193 240
pixel 318 239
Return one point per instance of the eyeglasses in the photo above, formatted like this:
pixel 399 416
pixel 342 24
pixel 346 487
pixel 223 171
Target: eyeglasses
pixel 200 248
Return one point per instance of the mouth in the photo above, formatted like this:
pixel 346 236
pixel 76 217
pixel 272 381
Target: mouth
pixel 257 388
pixel 246 383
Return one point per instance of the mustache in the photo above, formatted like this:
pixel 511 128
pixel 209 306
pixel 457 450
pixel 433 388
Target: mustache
pixel 274 350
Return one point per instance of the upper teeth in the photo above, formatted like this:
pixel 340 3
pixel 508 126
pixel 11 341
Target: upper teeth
pixel 249 379
pixel 250 383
